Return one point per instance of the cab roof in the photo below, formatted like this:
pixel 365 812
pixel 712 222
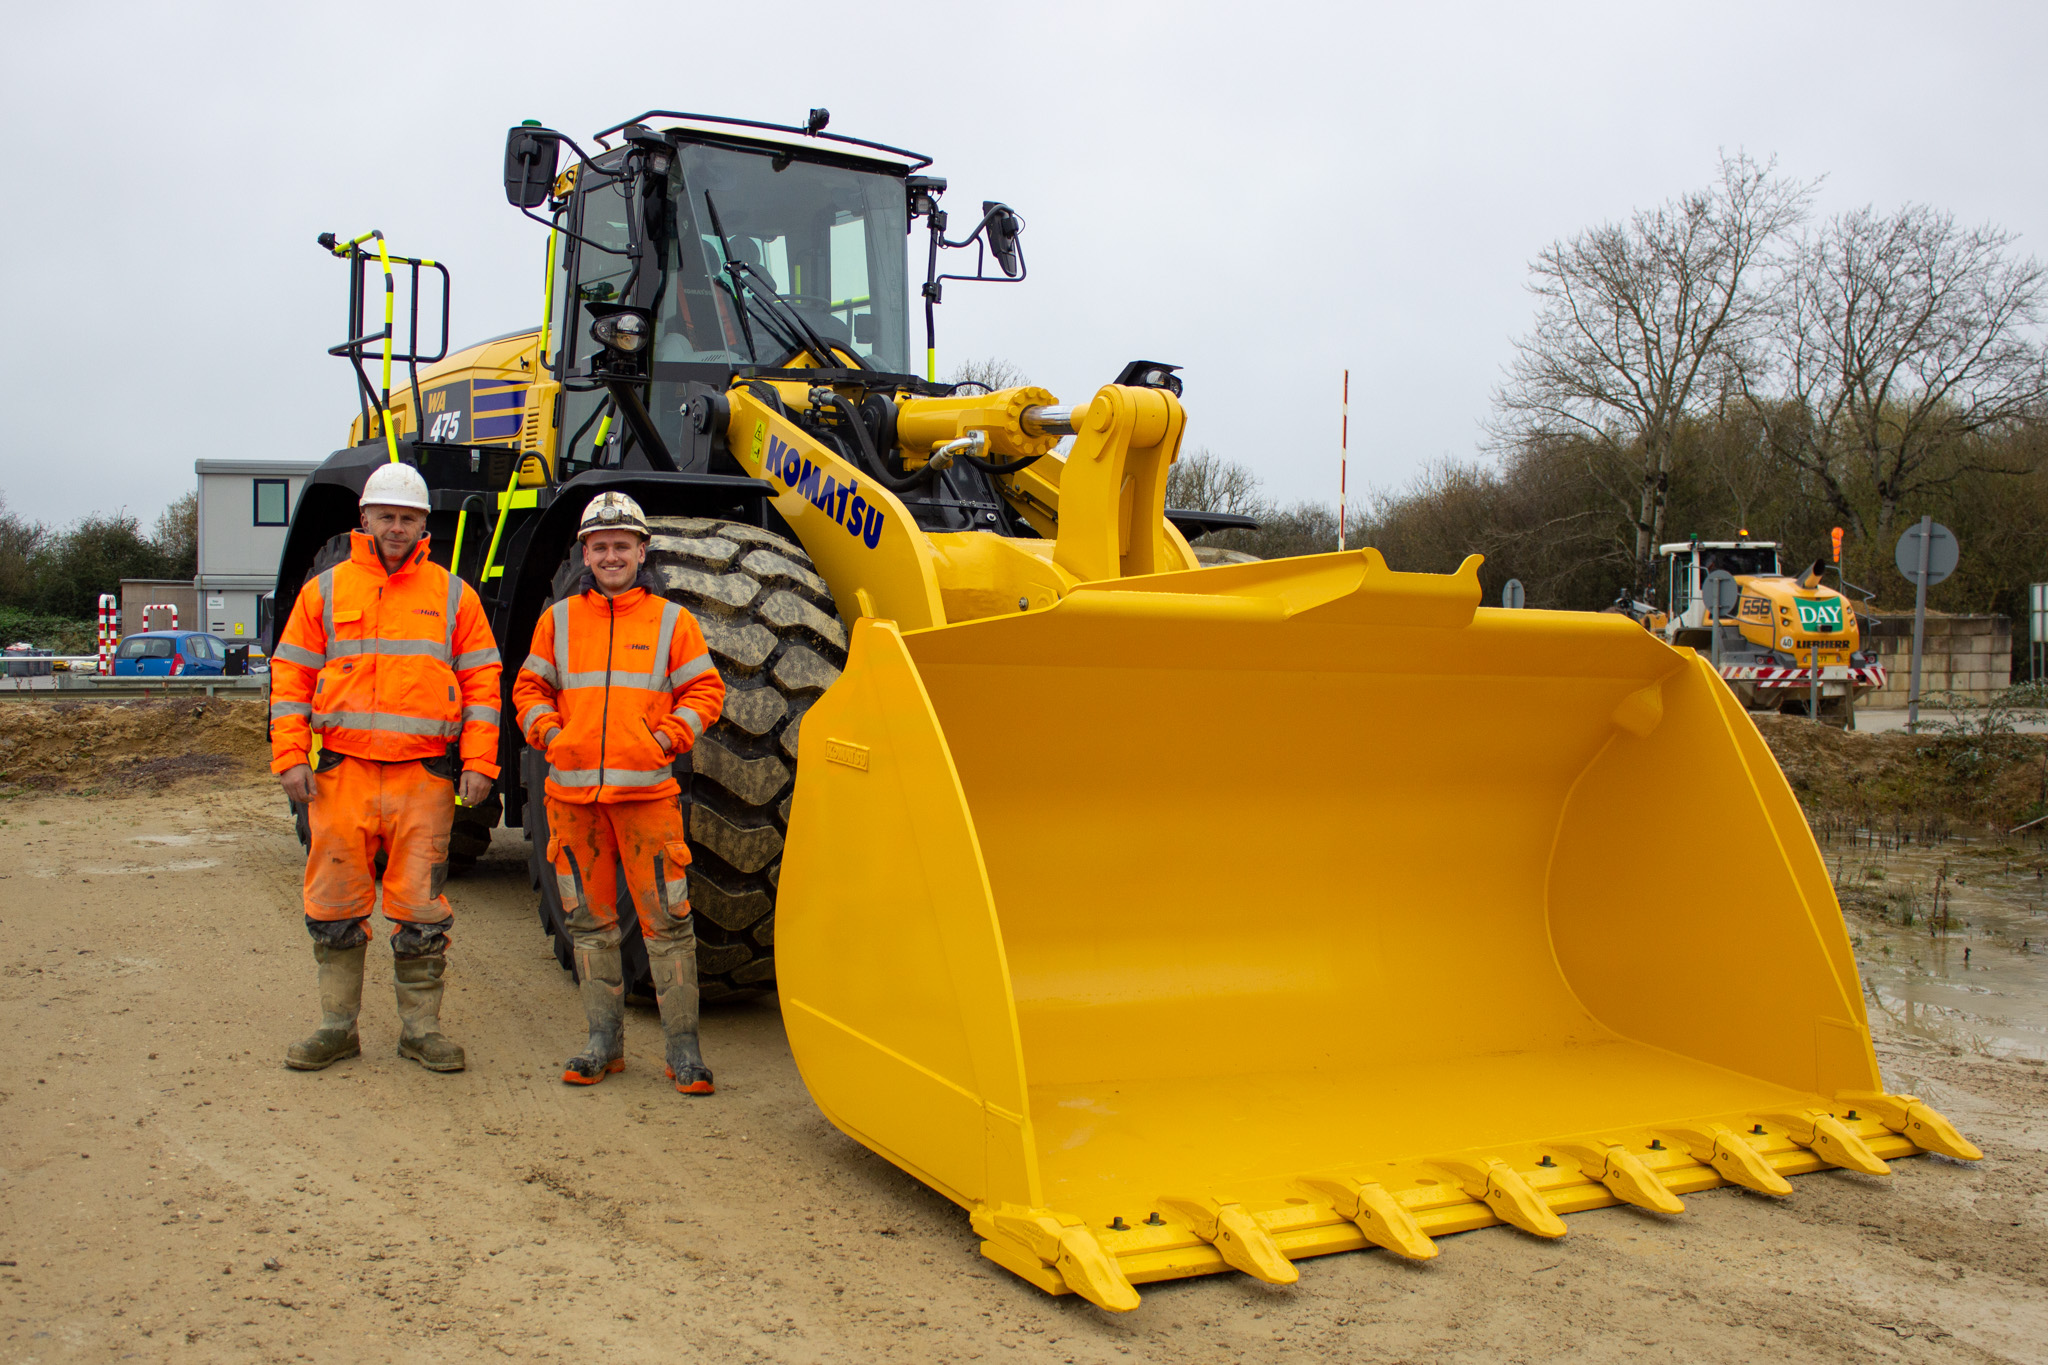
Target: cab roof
pixel 1681 546
pixel 895 160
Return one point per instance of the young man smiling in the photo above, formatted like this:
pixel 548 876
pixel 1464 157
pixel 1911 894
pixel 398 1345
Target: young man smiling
pixel 619 682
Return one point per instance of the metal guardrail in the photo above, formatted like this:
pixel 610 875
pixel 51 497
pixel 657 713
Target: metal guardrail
pixel 89 687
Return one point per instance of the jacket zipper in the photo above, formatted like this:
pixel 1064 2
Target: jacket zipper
pixel 605 715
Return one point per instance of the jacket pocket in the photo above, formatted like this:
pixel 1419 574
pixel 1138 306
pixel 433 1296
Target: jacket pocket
pixel 657 756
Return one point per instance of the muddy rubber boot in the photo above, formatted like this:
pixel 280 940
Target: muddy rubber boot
pixel 341 1000
pixel 418 983
pixel 603 984
pixel 673 965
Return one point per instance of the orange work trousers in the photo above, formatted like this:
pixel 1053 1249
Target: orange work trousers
pixel 588 842
pixel 361 807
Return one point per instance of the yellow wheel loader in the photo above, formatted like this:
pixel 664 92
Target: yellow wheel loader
pixel 1170 920
pixel 1791 643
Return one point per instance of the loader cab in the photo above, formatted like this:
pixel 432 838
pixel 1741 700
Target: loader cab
pixel 747 248
pixel 1688 563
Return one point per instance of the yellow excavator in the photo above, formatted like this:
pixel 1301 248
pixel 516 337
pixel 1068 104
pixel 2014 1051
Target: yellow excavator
pixel 1168 919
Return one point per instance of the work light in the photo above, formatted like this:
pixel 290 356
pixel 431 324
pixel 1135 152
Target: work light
pixel 626 332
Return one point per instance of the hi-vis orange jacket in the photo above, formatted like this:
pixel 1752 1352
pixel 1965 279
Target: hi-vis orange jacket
pixel 385 666
pixel 616 673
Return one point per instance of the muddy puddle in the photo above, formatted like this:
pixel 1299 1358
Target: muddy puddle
pixel 1951 934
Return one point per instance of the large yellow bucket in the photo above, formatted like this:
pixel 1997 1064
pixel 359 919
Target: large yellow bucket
pixel 1224 918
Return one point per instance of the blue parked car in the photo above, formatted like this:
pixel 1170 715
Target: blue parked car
pixel 163 653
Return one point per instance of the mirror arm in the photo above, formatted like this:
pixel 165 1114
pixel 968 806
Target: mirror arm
pixel 574 237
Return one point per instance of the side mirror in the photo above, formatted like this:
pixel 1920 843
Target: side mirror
pixel 531 155
pixel 864 328
pixel 1003 227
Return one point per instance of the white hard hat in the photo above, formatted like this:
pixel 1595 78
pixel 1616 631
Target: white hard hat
pixel 611 512
pixel 396 485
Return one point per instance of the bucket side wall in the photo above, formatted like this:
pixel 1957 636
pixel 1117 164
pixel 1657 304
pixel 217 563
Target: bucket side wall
pixel 894 988
pixel 1689 907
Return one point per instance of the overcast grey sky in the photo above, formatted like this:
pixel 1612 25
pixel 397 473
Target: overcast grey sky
pixel 1264 193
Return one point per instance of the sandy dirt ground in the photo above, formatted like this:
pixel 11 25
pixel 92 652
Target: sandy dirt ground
pixel 169 1191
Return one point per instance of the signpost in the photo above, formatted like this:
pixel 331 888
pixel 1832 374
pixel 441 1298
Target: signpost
pixel 1512 596
pixel 1723 593
pixel 1926 555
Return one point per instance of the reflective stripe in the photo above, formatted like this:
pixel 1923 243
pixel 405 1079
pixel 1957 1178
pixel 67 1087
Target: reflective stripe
pixel 454 605
pixel 695 668
pixel 300 655
pixel 431 648
pixel 476 658
pixel 561 611
pixel 326 581
pixel 533 713
pixel 280 709
pixel 663 643
pixel 542 669
pixel 377 720
pixel 485 713
pixel 612 777
pixel 588 680
pixel 691 719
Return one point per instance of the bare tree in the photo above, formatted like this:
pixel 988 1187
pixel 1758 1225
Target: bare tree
pixel 1902 336
pixel 1203 482
pixel 987 374
pixel 1638 328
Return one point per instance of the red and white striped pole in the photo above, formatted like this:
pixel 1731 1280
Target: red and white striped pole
pixel 108 632
pixel 1343 457
pixel 152 608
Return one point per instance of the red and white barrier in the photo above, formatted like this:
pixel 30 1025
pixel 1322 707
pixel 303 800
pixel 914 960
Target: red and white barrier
pixel 1873 676
pixel 170 607
pixel 110 631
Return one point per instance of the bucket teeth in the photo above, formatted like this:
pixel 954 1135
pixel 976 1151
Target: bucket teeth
pixel 1624 1175
pixel 1383 1219
pixel 1494 1183
pixel 1719 1146
pixel 1916 1122
pixel 1830 1139
pixel 1064 1243
pixel 1236 1235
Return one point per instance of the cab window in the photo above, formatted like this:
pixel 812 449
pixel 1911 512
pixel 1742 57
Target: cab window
pixel 1681 582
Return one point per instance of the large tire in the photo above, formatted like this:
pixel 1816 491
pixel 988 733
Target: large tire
pixel 774 635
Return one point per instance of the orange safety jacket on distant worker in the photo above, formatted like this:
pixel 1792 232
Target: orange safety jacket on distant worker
pixel 388 667
pixel 616 674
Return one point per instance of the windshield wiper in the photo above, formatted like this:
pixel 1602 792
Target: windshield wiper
pixel 814 343
pixel 748 281
pixel 738 298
